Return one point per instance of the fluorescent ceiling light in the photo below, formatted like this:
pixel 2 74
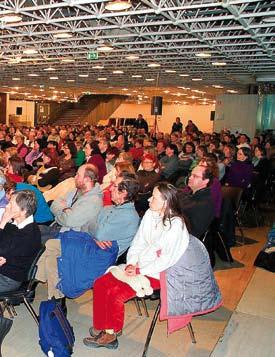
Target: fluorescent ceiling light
pixel 196 79
pixel 104 48
pixel 67 60
pixel 170 71
pixel 153 65
pixel 53 77
pixel 184 75
pixel 97 67
pixel 30 51
pixel 149 79
pixel 269 19
pixel 118 71
pixel 125 89
pixel 33 75
pixel 49 69
pixel 203 55
pixel 166 91
pixel 11 18
pixel 63 35
pixel 70 80
pixel 218 63
pixel 118 5
pixel 136 76
pixel 83 75
pixel 217 86
pixel 132 57
pixel 16 79
pixel 102 79
pixel 232 91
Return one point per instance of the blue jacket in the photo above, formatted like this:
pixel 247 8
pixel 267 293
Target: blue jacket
pixel 81 262
pixel 118 223
pixel 42 213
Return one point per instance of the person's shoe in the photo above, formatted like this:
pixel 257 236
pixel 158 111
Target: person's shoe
pixel 94 332
pixel 104 339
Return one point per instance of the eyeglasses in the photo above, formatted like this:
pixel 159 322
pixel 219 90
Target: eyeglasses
pixel 147 162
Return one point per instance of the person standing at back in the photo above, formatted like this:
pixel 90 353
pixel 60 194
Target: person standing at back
pixel 141 123
pixel 177 126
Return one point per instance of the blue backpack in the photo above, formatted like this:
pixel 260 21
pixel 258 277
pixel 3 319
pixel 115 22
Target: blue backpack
pixel 55 332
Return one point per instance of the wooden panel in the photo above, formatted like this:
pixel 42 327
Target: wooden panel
pixel 3 108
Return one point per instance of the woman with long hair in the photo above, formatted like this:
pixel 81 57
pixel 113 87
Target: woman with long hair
pixel 67 166
pixel 161 240
pixel 94 157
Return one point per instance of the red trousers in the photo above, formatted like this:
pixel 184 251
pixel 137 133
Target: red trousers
pixel 110 294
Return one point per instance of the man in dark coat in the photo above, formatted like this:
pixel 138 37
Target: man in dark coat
pixel 141 123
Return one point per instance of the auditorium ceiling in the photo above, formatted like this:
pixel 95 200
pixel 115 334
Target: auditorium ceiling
pixel 187 51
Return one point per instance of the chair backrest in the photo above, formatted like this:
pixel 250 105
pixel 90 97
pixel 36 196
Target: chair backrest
pixel 234 194
pixel 33 268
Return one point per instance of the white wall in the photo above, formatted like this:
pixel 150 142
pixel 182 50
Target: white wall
pixel 200 114
pixel 236 113
pixel 27 117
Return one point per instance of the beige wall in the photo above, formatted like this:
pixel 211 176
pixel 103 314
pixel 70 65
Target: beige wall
pixel 200 114
pixel 27 117
pixel 236 113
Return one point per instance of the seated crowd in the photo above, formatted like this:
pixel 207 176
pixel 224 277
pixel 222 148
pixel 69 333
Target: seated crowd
pixel 138 196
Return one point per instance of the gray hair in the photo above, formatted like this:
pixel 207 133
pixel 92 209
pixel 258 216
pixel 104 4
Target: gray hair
pixel 26 201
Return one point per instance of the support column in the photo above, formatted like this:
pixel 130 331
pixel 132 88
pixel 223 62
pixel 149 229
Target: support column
pixel 4 101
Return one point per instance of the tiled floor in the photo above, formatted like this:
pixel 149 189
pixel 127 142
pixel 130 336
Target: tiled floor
pixel 251 321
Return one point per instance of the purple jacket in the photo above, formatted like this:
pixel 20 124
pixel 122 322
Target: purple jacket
pixel 239 174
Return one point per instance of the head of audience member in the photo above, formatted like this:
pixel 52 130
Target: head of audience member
pixel 124 166
pixel 161 146
pixel 15 165
pixel 210 161
pixel 213 145
pixel 138 143
pixel 63 134
pixel 3 160
pixel 259 152
pixel 103 145
pixel 125 156
pixel 244 154
pixel 201 151
pixel 91 148
pixel 71 136
pixel 124 188
pixel 174 138
pixel 149 162
pixel 88 136
pixel 188 148
pixel 229 151
pixel 255 141
pixel 22 205
pixel 70 150
pixel 86 177
pixel 53 145
pixel 112 154
pixel 165 202
pixel 79 145
pixel 19 139
pixel 36 146
pixel 200 178
pixel 50 158
pixel 243 139
pixel 171 150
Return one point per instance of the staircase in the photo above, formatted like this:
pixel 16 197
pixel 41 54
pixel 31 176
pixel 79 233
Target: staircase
pixel 89 109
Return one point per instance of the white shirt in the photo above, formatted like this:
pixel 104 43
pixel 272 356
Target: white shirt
pixel 153 236
pixel 26 221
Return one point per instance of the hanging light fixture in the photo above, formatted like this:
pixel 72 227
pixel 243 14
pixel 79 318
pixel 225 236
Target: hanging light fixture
pixel 118 5
pixel 11 18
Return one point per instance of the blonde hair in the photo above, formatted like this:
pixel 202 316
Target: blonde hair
pixel 124 166
pixel 125 156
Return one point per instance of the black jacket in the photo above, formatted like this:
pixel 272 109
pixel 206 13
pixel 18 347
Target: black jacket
pixel 19 247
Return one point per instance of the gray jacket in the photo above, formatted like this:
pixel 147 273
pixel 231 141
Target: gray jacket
pixel 82 215
pixel 191 285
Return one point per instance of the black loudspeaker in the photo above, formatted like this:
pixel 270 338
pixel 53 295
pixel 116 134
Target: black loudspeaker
pixel 156 106
pixel 253 89
pixel 212 115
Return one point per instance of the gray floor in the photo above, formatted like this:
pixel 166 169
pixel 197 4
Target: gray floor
pixel 251 329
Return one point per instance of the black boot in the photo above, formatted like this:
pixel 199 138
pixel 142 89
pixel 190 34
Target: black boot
pixel 5 326
pixel 62 303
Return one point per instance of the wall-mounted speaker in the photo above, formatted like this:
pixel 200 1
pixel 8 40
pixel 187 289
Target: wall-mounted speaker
pixel 156 106
pixel 212 115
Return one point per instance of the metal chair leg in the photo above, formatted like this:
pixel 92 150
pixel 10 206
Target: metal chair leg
pixel 151 330
pixel 137 307
pixel 31 310
pixel 143 302
pixel 191 331
pixel 225 248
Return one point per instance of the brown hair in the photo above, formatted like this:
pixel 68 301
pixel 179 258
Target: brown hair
pixel 125 166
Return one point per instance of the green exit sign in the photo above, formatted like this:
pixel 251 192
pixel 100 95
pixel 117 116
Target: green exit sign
pixel 92 56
